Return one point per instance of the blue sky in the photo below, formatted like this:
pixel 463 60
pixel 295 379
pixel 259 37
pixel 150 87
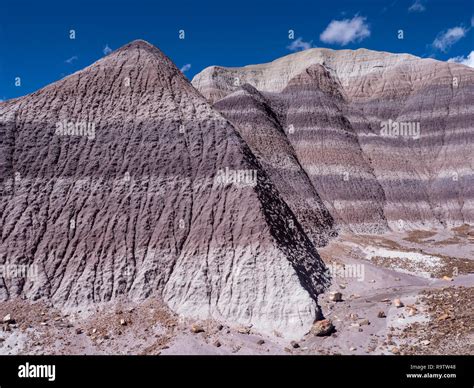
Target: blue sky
pixel 35 42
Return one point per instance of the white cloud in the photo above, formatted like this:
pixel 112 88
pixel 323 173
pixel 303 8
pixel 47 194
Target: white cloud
pixel 71 60
pixel 346 31
pixel 186 67
pixel 468 61
pixel 299 45
pixel 446 39
pixel 107 50
pixel 417 6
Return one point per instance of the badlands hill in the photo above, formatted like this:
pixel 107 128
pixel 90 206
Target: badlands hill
pixel 339 110
pixel 119 182
pixel 124 181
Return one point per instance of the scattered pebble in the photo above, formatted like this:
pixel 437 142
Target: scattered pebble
pixel 243 330
pixel 8 319
pixel 335 297
pixel 443 317
pixel 398 303
pixel 295 344
pixel 197 329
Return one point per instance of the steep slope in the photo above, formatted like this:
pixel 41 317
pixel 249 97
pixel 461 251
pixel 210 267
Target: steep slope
pixel 125 183
pixel 262 130
pixel 310 116
pixel 425 171
pixel 328 148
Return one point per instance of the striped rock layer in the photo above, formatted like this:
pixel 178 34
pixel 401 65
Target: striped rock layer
pixel 385 139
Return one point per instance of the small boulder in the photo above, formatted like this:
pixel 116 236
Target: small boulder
pixel 260 342
pixel 322 328
pixel 381 314
pixel 217 344
pixel 335 296
pixel 123 322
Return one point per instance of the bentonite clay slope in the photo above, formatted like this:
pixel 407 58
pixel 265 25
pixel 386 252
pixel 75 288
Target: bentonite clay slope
pixel 135 209
pixel 310 111
pixel 426 176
